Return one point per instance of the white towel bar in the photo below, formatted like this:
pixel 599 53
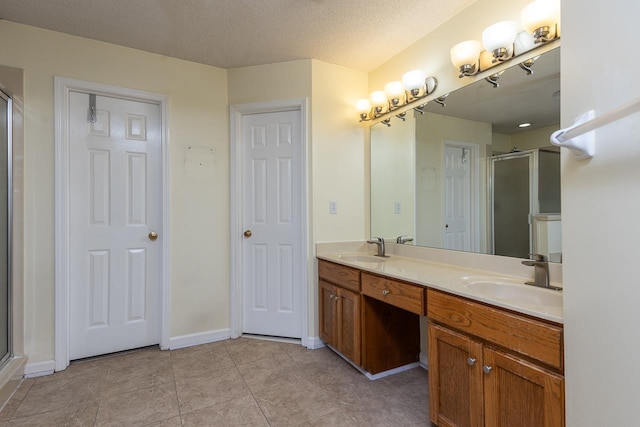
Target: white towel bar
pixel 580 139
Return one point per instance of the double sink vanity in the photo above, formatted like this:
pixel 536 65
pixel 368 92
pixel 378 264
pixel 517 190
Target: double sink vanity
pixel 495 345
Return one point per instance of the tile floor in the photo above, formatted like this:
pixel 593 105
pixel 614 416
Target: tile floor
pixel 243 382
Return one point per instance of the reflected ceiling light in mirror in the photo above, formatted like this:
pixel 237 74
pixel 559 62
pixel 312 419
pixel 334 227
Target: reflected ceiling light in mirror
pixel 465 56
pixel 498 39
pixel 493 79
pixel 524 125
pixel 540 18
pixel 440 100
pixel 395 93
pixel 526 65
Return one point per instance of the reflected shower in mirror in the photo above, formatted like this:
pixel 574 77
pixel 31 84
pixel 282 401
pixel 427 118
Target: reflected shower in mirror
pixel 477 173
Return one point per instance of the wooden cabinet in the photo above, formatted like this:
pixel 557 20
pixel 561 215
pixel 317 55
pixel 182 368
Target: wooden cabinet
pixel 339 309
pixel 477 380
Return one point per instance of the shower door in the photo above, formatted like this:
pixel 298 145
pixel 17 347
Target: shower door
pixel 5 221
pixel 513 201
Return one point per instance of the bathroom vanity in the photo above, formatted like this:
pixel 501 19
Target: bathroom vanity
pixel 494 357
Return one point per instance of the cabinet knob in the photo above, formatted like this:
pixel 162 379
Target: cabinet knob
pixel 471 361
pixel 486 369
pixel 385 292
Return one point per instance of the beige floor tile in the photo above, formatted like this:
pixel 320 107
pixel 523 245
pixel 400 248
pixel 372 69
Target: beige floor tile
pixel 294 404
pixel 138 356
pixel 215 387
pixel 243 411
pixel 74 415
pixel 270 372
pixel 200 360
pixel 15 401
pixel 93 368
pixel 245 350
pixel 334 419
pixel 136 375
pixel 139 407
pixel 384 411
pixel 51 395
pixel 171 422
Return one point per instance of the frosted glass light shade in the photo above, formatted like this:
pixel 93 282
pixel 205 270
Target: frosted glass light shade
pixel 414 79
pixel 394 89
pixel 378 98
pixel 363 105
pixel 466 53
pixel 540 13
pixel 499 35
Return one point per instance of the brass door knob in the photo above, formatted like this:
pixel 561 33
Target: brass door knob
pixel 153 236
pixel 247 233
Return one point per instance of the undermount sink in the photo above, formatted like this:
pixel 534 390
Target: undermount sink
pixel 361 258
pixel 510 290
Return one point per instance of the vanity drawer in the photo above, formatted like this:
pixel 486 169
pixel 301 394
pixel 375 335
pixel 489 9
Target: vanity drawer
pixel 340 275
pixel 530 337
pixel 400 294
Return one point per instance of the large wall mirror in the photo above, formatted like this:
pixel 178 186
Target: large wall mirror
pixel 468 175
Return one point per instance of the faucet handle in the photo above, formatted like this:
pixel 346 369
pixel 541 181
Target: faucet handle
pixel 376 240
pixel 538 257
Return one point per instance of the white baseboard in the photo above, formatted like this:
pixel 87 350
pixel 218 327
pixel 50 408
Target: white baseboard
pixel 39 369
pixel 314 343
pixel 190 340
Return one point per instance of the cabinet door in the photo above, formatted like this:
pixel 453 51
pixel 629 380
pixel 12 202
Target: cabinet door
pixel 455 379
pixel 328 313
pixel 519 393
pixel 349 342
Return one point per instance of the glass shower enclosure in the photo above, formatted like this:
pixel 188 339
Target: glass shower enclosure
pixel 521 185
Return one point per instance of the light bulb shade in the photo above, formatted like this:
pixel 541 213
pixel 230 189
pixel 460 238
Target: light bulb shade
pixel 414 79
pixel 394 89
pixel 363 105
pixel 378 98
pixel 540 13
pixel 499 35
pixel 524 42
pixel 466 53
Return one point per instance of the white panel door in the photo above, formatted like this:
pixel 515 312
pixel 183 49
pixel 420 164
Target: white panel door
pixel 115 203
pixel 456 232
pixel 272 214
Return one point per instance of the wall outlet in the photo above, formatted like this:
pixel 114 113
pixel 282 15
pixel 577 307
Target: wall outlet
pixel 398 208
pixel 333 207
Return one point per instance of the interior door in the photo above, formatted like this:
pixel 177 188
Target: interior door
pixel 115 209
pixel 272 217
pixel 456 230
pixel 5 224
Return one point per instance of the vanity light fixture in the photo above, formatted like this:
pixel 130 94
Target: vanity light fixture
pixel 540 18
pixel 364 109
pixel 498 39
pixel 402 116
pixel 440 100
pixel 526 65
pixel 420 108
pixel 465 56
pixel 386 122
pixel 493 79
pixel 414 82
pixel 395 93
pixel 379 102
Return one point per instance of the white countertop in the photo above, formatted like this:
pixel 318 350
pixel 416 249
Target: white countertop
pixel 448 278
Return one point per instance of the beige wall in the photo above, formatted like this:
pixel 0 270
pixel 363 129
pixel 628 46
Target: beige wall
pixel 198 117
pixel 601 207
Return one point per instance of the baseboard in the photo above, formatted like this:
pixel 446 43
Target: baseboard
pixel 424 362
pixel 39 369
pixel 190 340
pixel 314 343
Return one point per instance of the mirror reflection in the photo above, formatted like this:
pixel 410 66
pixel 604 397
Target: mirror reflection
pixel 477 173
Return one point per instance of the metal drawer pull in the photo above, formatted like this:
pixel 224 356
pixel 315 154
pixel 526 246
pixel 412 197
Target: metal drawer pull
pixel 486 369
pixel 471 361
pixel 385 292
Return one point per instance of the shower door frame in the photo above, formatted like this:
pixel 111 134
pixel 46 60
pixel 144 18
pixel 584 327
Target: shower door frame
pixel 5 358
pixel 534 205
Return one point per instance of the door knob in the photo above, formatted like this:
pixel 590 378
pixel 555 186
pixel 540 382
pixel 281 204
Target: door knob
pixel 153 236
pixel 247 233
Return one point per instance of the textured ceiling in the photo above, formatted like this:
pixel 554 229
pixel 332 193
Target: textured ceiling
pixel 360 34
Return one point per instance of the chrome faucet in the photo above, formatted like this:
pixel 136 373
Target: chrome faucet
pixel 378 241
pixel 541 273
pixel 404 239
